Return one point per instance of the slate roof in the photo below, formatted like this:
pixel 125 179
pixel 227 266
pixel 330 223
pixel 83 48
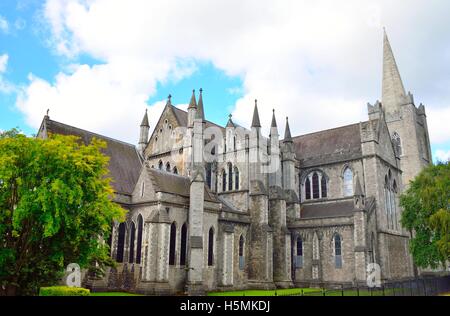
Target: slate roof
pixel 334 209
pixel 124 163
pixel 333 145
pixel 167 182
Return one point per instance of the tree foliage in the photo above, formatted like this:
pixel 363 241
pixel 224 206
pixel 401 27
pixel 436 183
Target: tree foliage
pixel 426 214
pixel 55 205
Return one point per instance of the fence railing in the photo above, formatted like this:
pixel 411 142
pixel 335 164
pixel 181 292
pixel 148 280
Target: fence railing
pixel 427 286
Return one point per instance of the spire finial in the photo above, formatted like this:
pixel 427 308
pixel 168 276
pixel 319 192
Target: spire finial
pixel 48 110
pixel 200 110
pixel 255 120
pixel 193 102
pixel 287 132
pixel 274 121
pixel 145 119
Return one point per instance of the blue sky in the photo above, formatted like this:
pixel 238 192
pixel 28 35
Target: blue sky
pixel 99 64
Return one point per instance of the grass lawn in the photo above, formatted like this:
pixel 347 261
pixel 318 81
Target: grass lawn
pixel 306 292
pixel 113 294
pixel 278 292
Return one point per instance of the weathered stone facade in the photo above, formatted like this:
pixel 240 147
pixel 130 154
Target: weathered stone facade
pixel 205 217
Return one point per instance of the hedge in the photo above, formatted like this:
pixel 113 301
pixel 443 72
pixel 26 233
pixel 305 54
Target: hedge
pixel 63 291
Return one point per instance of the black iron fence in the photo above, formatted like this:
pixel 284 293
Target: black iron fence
pixel 427 286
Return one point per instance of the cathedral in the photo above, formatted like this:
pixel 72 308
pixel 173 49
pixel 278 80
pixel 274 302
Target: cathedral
pixel 213 208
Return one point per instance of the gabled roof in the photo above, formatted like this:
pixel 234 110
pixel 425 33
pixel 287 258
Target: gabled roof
pixel 167 182
pixel 124 160
pixel 182 118
pixel 333 145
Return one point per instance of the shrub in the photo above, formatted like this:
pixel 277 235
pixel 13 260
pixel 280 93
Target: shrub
pixel 63 291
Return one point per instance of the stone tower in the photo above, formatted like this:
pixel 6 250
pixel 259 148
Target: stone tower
pixel 407 123
pixel 260 267
pixel 277 215
pixel 195 282
pixel 143 136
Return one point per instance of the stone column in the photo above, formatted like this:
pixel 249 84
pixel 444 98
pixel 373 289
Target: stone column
pixel 281 239
pixel 260 258
pixel 359 239
pixel 228 256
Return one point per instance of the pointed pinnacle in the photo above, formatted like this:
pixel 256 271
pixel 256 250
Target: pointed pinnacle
pixel 200 114
pixel 274 121
pixel 145 120
pixel 255 120
pixel 193 102
pixel 287 132
pixel 358 188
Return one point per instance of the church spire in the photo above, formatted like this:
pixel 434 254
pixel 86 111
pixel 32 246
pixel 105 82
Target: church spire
pixel 274 121
pixel 143 135
pixel 200 111
pixel 255 120
pixel 273 125
pixel 193 102
pixel 393 90
pixel 287 132
pixel 145 120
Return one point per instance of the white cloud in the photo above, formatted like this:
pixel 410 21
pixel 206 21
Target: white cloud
pixel 4 26
pixel 3 62
pixel 442 155
pixel 317 62
pixel 5 85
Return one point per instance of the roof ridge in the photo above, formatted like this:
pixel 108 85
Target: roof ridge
pixel 205 119
pixel 329 129
pixel 93 133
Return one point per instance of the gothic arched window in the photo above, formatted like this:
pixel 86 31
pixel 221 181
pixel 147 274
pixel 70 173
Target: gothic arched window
pixel 224 181
pixel 140 228
pixel 160 165
pixel 183 245
pixel 230 177
pixel 132 239
pixel 307 189
pixel 241 253
pixel 121 242
pixel 315 185
pixel 299 258
pixel 348 182
pixel 173 238
pixel 323 186
pixel 168 167
pixel 211 247
pixel 208 175
pixel 175 170
pixel 236 178
pixel 337 251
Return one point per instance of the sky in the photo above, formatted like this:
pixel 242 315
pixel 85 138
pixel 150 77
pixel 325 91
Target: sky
pixel 98 64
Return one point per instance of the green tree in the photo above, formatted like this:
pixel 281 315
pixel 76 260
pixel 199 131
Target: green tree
pixel 426 213
pixel 55 204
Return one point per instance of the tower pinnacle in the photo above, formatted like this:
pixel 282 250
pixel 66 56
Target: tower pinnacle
pixel 255 120
pixel 287 132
